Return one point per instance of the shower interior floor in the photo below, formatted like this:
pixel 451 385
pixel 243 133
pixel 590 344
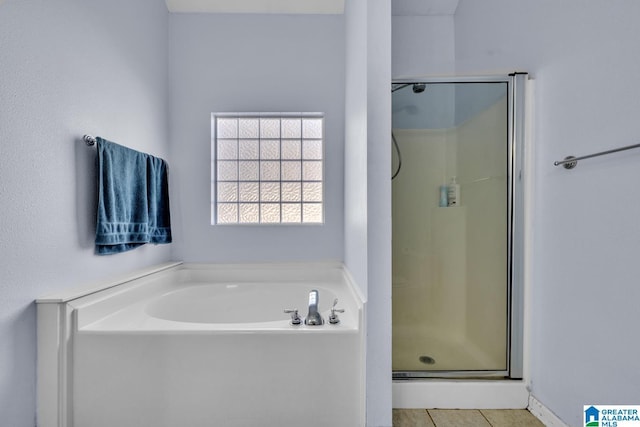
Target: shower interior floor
pixel 464 418
pixel 448 352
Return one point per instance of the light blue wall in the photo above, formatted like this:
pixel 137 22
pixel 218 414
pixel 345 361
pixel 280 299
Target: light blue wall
pixel 67 67
pixel 355 186
pixel 378 214
pixel 243 63
pixel 368 188
pixel 422 45
pixel 583 312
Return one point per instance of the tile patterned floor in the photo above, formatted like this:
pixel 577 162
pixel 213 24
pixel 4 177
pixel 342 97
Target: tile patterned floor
pixel 464 418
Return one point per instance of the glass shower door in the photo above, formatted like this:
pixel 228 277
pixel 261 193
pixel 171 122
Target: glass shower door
pixel 452 228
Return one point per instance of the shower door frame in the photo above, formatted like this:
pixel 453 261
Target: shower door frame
pixel 516 85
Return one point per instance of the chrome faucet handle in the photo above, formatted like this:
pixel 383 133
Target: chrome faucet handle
pixel 295 318
pixel 334 309
pixel 333 317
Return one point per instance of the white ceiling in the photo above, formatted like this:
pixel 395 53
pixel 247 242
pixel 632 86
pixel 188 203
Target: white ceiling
pixel 257 6
pixel 423 7
pixel 399 7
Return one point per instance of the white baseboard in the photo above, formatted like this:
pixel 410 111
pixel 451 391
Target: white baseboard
pixel 544 414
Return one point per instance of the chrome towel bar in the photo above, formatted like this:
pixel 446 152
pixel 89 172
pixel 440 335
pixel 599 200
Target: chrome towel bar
pixel 571 162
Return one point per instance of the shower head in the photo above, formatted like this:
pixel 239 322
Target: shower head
pixel 419 87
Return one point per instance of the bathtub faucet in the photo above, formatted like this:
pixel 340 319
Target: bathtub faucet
pixel 313 318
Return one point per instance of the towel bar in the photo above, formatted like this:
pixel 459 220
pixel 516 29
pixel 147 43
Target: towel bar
pixel 571 162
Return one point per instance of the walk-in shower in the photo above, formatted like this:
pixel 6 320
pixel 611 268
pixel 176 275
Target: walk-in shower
pixel 457 227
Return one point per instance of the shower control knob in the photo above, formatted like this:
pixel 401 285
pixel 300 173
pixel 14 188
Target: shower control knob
pixel 295 318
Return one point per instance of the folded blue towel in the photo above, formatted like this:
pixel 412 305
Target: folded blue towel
pixel 133 199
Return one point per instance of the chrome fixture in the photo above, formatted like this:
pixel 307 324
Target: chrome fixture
pixel 417 87
pixel 89 140
pixel 313 318
pixel 571 162
pixel 333 317
pixel 295 318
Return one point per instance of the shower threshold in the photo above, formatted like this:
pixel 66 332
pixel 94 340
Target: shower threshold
pixel 461 375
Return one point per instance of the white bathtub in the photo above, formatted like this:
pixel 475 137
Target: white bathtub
pixel 203 345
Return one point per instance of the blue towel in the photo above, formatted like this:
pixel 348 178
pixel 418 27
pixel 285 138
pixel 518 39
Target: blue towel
pixel 133 199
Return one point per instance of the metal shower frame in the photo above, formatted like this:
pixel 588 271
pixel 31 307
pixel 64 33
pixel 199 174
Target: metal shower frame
pixel 516 86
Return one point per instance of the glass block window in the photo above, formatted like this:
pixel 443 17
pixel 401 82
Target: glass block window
pixel 267 168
